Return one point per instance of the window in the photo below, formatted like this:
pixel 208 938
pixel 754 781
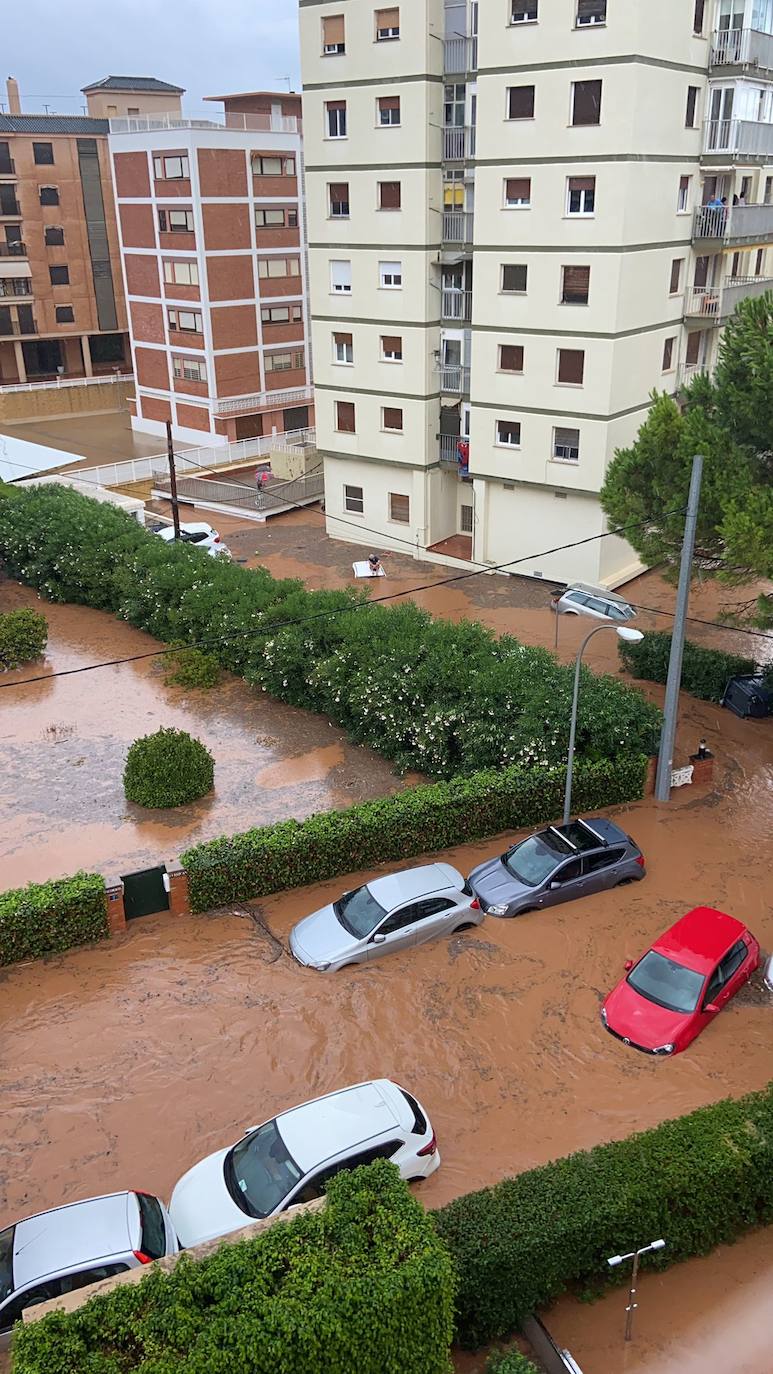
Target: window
pixel 333 35
pixel 676 276
pixel 345 418
pixel 391 275
pixel 683 199
pixel 171 168
pixel 181 273
pixel 690 118
pixel 64 314
pixel 768 200
pixel 9 205
pixel 759 262
pixel 281 314
pixel 571 366
pixel 520 102
pixel 510 358
pixel 575 285
pixel 693 350
pixel 387 24
pixel 49 195
pixel 389 195
pixel 594 863
pixel 340 277
pixel 523 12
pixel 591 12
pixel 60 276
pixel 175 221
pixel 465 519
pixel 190 369
pixel 514 276
pixel 668 354
pixel 16 286
pixel 53 236
pixel 392 418
pixel 335 111
pixel 391 348
pixel 338 192
pixel 509 433
pixel 388 110
pixel 581 195
pixel 586 102
pixel 43 154
pixel 187 321
pixel 276 218
pixel 566 445
pixel 517 192
pixel 697 22
pixel 343 348
pixel 399 508
pixel 284 362
pixel 279 267
pixel 269 165
pixel 354 500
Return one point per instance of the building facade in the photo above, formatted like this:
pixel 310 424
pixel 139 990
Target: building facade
pixel 212 233
pixel 511 245
pixel 115 97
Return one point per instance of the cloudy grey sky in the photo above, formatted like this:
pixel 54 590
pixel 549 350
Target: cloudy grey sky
pixel 54 47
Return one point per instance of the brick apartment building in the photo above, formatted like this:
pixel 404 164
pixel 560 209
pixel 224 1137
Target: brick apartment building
pixel 213 252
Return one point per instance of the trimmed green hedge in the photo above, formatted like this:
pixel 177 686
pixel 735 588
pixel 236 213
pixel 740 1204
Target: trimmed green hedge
pixel 509 1362
pixel 23 636
pixel 442 698
pixel 47 918
pixel 699 1182
pixel 363 1285
pixel 420 820
pixel 168 768
pixel 705 672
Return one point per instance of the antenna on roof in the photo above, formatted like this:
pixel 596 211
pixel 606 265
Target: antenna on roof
pixel 289 83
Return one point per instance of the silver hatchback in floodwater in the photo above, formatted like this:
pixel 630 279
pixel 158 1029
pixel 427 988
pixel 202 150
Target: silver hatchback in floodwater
pixel 390 913
pixel 556 865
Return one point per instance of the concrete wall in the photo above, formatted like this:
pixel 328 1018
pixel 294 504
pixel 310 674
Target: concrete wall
pixel 56 403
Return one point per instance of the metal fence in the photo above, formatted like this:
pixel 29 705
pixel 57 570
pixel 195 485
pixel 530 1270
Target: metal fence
pixel 747 137
pixel 734 223
pixel 457 226
pixel 194 459
pixel 268 498
pixel 741 48
pixel 61 383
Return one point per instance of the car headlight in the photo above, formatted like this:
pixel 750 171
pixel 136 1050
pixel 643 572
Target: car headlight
pixel 604 1016
pixel 664 1049
pixel 322 968
pixel 500 910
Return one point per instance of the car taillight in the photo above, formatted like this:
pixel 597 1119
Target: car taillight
pixel 428 1149
pixel 142 1257
pixel 474 904
pixel 217 539
pixel 640 860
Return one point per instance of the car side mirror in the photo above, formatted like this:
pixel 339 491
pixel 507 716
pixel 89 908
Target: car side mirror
pixel 710 1008
pixel 553 887
pixel 378 939
pixel 628 965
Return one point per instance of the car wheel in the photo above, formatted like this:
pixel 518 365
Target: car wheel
pixel 568 611
pixel 466 925
pixel 624 882
pixel 526 910
pixel 344 966
pixel 417 1178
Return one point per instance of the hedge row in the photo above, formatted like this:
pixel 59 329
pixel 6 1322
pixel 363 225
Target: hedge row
pixel 699 1182
pixel 705 672
pixel 364 1285
pixel 430 695
pixel 509 1362
pixel 47 918
pixel 23 636
pixel 420 820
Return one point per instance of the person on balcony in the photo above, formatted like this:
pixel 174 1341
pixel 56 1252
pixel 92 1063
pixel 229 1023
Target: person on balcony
pixel 463 455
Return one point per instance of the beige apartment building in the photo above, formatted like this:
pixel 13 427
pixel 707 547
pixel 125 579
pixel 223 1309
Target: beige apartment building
pixel 512 242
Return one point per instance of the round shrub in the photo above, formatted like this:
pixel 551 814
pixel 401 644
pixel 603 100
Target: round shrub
pixel 191 668
pixel 23 636
pixel 169 768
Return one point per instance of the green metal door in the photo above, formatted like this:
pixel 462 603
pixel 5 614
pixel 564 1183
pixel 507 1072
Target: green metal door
pixel 144 893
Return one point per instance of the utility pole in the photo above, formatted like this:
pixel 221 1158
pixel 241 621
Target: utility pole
pixel 671 704
pixel 173 480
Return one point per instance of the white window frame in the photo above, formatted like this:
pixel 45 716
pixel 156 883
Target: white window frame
pixel 515 204
pixel 290 267
pixel 196 369
pixel 275 362
pixel 358 508
pixel 507 443
pixel 387 357
pixel 181 272
pixel 175 314
pixel 560 458
pixel 683 207
pixel 268 223
pixel 161 171
pixel 342 349
pixel 344 287
pixel 583 213
pixel 385 270
pixel 504 290
pixel 528 17
pixel 389 429
pixel 394 519
pixel 390 123
pixel 337 117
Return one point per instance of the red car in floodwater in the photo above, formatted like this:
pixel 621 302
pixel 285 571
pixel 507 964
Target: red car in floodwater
pixel 669 995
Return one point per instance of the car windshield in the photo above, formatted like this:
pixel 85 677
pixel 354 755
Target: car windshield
pixel 532 861
pixel 359 912
pixel 259 1172
pixel 669 984
pixel 6 1262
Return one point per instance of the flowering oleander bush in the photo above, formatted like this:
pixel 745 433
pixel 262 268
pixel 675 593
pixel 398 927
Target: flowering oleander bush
pixel 442 698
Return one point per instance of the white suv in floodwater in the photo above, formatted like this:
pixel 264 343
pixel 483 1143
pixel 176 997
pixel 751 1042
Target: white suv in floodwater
pixel 580 599
pixel 198 533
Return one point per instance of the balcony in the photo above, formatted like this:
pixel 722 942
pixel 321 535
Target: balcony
pixel 715 304
pixel 741 48
pixel 237 405
pixel 740 138
pixel 457 226
pixel 450 458
pixel 245 123
pixel 688 371
pixel 13 250
pixel 460 55
pixel 454 380
pixel 733 226
pixel 456 304
pixel 458 143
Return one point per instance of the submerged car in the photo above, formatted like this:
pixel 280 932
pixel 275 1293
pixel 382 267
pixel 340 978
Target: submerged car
pixel 580 599
pixel 390 913
pixel 292 1158
pixel 55 1252
pixel 555 865
pixel 687 976
pixel 198 533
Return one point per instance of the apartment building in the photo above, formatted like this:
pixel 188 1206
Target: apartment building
pixel 62 312
pixel 212 234
pixel 115 97
pixel 511 243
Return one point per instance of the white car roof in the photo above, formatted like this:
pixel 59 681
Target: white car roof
pixel 194 527
pixel 81 1233
pixel 343 1120
pixel 600 592
pixel 396 888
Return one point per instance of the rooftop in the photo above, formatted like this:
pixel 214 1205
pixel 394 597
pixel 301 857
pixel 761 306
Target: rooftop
pixel 133 83
pixel 52 124
pixel 248 95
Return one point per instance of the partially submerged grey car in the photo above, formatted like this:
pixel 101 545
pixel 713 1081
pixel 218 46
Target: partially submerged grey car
pixel 557 864
pixel 390 913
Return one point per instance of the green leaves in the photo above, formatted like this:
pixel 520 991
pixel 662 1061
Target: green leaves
pixel 47 918
pixel 23 636
pixel 169 768
pixel 705 672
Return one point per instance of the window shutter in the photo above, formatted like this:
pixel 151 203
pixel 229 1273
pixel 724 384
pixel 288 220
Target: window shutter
pixel 389 102
pixel 388 19
pixel 334 29
pixel 389 195
pixel 393 418
pixel 582 183
pixel 392 343
pixel 339 190
pixel 587 102
pixel 345 415
pixel 511 358
pixel 576 285
pixel 521 102
pixel 336 104
pixel 571 365
pixel 518 188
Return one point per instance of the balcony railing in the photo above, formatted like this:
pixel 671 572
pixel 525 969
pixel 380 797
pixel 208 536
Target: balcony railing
pixel 457 226
pixel 741 48
pixel 259 123
pixel 455 380
pixel 739 137
pixel 450 457
pixel 456 304
pixel 458 142
pixel 13 250
pixel 261 399
pixel 717 303
pixel 460 56
pixel 687 371
pixel 734 224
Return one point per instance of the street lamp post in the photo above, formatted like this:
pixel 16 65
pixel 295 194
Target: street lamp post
pixel 633 1255
pixel 623 632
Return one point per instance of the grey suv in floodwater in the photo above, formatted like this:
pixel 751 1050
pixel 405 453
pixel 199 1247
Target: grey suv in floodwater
pixel 555 865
